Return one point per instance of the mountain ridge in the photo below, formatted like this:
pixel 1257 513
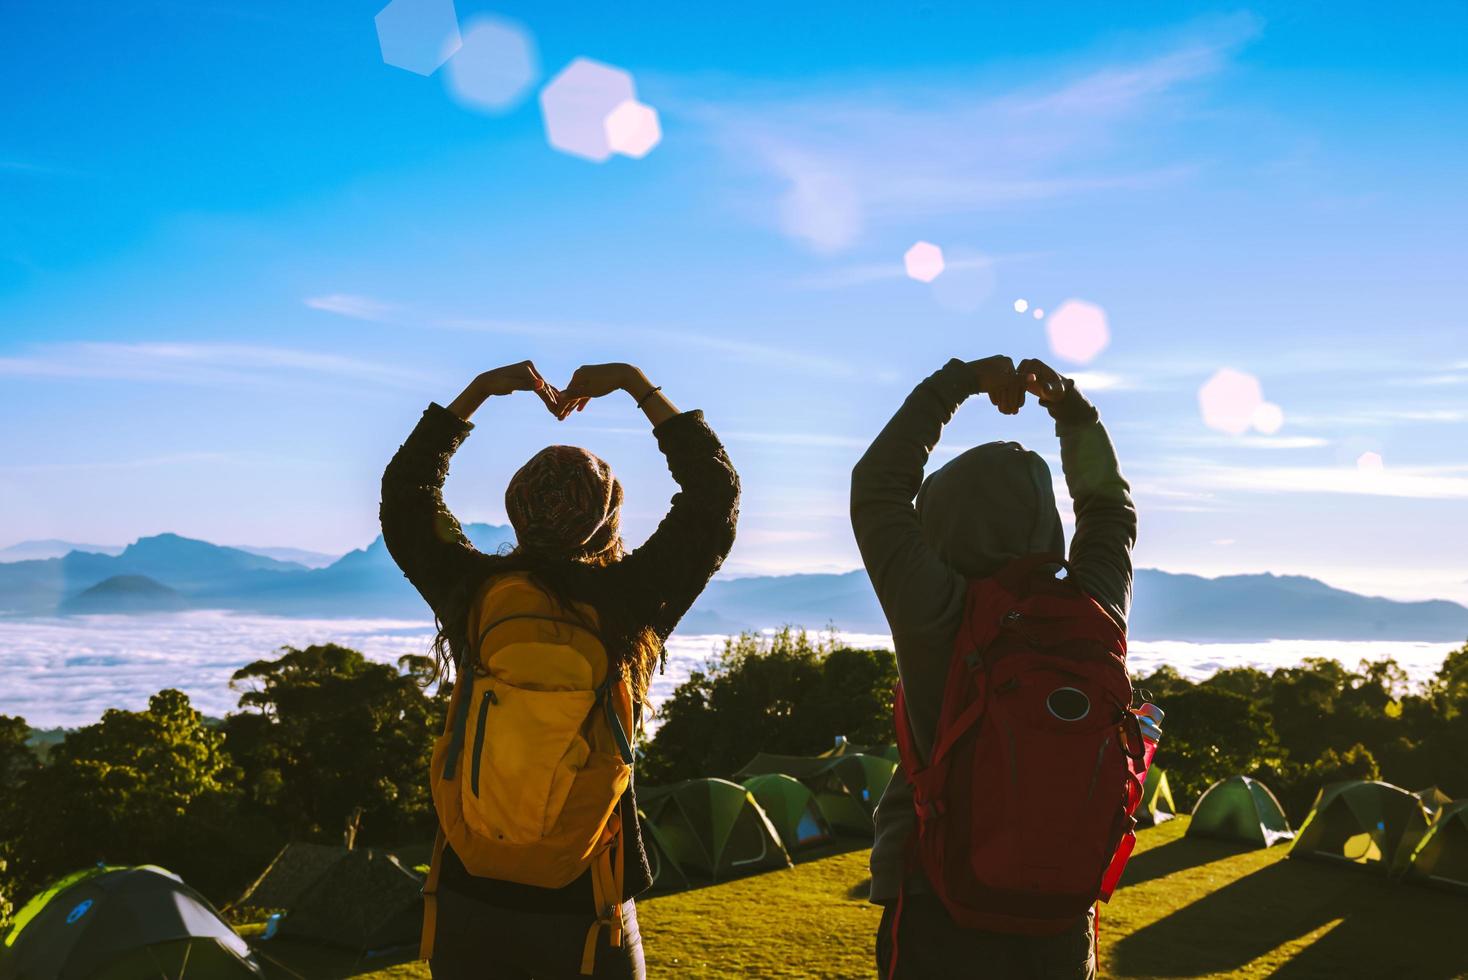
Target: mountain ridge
pixel 366 583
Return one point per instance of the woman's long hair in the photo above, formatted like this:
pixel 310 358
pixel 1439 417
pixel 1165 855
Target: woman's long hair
pixel 632 649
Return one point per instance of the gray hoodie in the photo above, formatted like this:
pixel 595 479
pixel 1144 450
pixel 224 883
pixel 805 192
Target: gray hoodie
pixel 990 504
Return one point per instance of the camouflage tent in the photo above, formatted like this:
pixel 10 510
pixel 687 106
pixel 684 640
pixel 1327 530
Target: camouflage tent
pixel 361 899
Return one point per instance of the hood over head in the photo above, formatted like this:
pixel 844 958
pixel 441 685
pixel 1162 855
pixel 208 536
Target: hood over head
pixel 988 506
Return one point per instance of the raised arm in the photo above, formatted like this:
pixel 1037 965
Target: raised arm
pixel 916 588
pixel 1106 518
pixel 668 572
pixel 422 536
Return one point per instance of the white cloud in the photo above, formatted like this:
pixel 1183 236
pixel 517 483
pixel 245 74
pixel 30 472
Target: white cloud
pixel 197 364
pixel 846 160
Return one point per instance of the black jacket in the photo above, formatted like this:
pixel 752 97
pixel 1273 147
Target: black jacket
pixel 652 586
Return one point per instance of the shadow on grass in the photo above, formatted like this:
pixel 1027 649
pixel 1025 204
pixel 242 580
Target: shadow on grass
pixel 1382 928
pixel 285 959
pixel 841 845
pixel 1178 855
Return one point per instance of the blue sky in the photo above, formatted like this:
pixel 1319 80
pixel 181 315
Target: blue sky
pixel 239 254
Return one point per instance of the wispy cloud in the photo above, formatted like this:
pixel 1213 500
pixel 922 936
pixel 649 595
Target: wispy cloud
pixel 143 462
pixel 1421 483
pixel 864 274
pixel 350 305
pixel 767 355
pixel 846 160
pixel 198 364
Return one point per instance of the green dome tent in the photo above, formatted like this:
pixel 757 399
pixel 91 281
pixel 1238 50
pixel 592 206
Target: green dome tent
pixel 1157 805
pixel 360 899
pixel 713 828
pixel 843 747
pixel 1372 824
pixel 846 787
pixel 1441 857
pixel 1434 800
pixel 667 875
pixel 1240 809
pixel 792 808
pixel 121 924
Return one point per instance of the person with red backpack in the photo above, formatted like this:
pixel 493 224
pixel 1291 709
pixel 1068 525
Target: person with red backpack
pixel 1019 752
pixel 539 854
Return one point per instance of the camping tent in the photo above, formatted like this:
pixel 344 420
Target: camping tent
pixel 667 874
pixel 1433 799
pixel 122 923
pixel 846 787
pixel 360 899
pixel 843 747
pixel 792 808
pixel 1241 809
pixel 1372 824
pixel 713 828
pixel 1441 858
pixel 1156 805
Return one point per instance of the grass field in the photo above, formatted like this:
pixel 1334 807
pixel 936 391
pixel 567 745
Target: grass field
pixel 1188 908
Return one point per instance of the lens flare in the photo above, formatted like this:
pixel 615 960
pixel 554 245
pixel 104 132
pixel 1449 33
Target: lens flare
pixel 418 35
pixel 494 67
pixel 576 105
pixel 1020 305
pixel 1268 418
pixel 1077 331
pixel 633 129
pixel 924 261
pixel 1229 401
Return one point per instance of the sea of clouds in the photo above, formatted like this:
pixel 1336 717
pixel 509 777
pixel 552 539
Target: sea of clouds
pixel 66 672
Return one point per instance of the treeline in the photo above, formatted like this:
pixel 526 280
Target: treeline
pixel 328 744
pixel 325 740
pixel 1296 728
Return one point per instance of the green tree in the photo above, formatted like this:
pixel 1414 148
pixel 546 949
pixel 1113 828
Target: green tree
pixel 324 730
pixel 788 693
pixel 131 788
pixel 17 762
pixel 1211 733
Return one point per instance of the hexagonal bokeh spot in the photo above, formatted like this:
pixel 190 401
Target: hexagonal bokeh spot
pixel 1038 313
pixel 1229 400
pixel 576 105
pixel 1020 305
pixel 924 261
pixel 494 67
pixel 418 35
pixel 1268 418
pixel 1370 463
pixel 633 129
pixel 1077 331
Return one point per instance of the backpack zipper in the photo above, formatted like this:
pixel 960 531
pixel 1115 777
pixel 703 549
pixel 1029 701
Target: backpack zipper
pixel 1096 772
pixel 484 704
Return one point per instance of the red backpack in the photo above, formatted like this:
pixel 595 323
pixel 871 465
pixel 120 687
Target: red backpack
pixel 1036 766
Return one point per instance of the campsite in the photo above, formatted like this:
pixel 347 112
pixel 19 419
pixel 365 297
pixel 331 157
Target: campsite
pixel 1247 862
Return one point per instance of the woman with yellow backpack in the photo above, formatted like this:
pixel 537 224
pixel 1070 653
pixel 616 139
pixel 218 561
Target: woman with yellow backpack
pixel 539 855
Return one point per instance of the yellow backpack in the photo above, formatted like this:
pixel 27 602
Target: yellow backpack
pixel 534 756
